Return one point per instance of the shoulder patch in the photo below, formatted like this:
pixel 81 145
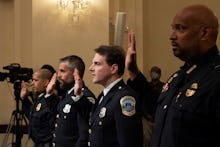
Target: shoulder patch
pixel 128 105
pixel 91 99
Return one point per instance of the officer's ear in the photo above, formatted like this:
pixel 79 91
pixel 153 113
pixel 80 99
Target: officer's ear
pixel 114 68
pixel 205 32
pixel 46 82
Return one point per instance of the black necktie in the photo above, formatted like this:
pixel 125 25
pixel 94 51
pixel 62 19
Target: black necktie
pixel 101 98
pixel 97 102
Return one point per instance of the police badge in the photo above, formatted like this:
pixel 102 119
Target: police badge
pixel 102 112
pixel 67 108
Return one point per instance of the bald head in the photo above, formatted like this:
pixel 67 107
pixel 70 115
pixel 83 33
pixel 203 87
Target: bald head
pixel 195 31
pixel 44 74
pixel 202 16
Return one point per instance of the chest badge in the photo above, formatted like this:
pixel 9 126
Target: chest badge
pixel 67 108
pixel 192 90
pixel 194 86
pixel 38 107
pixel 102 112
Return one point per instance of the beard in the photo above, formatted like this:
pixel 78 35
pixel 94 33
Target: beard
pixel 66 86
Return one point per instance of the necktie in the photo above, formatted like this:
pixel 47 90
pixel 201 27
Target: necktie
pixel 101 97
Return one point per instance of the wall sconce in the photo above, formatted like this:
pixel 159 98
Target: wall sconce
pixel 74 8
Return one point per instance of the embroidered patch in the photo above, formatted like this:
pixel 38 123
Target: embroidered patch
pixel 67 108
pixel 91 99
pixel 128 105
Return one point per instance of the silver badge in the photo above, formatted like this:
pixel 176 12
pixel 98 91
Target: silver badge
pixel 102 112
pixel 67 108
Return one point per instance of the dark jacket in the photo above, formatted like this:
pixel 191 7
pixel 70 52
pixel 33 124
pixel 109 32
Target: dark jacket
pixel 72 120
pixel 116 121
pixel 42 116
pixel 188 112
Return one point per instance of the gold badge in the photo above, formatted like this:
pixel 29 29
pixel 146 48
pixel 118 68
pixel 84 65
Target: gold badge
pixel 38 107
pixel 190 92
pixel 194 86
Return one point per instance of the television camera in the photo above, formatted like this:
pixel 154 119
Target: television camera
pixel 16 73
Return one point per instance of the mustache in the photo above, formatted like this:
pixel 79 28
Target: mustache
pixel 173 43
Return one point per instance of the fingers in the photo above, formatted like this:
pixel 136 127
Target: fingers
pixel 76 74
pixel 54 78
pixel 78 82
pixel 52 83
pixel 23 85
pixel 132 40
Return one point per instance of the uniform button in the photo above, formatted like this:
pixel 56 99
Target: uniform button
pixel 54 135
pixel 64 116
pixel 164 107
pixel 90 131
pixel 100 123
pixel 57 116
pixel 89 144
pixel 56 125
pixel 54 144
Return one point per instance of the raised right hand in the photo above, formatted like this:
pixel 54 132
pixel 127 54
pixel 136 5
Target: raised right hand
pixel 24 90
pixel 130 61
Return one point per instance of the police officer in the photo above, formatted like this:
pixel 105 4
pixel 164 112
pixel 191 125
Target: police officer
pixel 188 111
pixel 43 111
pixel 71 128
pixel 115 120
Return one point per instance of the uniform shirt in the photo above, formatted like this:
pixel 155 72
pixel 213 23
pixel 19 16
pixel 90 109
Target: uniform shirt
pixel 188 112
pixel 72 120
pixel 42 117
pixel 116 122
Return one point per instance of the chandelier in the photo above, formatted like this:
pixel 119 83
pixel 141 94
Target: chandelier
pixel 75 8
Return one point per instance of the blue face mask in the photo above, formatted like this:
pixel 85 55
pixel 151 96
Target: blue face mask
pixel 154 75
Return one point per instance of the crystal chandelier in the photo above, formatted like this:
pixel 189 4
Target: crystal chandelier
pixel 74 7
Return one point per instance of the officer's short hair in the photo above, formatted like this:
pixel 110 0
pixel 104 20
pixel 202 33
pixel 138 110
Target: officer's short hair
pixel 73 62
pixel 114 55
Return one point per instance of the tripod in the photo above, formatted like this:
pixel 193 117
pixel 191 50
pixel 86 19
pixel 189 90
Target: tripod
pixel 17 119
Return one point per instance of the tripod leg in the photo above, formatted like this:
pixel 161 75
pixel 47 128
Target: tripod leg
pixel 8 130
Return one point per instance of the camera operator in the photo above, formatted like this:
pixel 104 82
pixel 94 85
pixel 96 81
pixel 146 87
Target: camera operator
pixel 42 112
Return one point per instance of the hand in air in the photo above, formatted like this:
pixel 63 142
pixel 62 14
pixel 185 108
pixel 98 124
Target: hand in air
pixel 78 82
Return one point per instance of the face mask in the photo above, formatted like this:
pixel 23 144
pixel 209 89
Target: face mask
pixel 154 75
